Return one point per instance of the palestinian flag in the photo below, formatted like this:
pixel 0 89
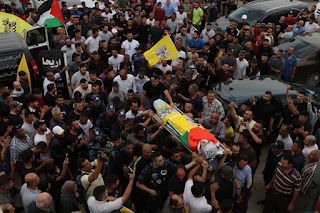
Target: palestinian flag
pixel 50 14
pixel 192 137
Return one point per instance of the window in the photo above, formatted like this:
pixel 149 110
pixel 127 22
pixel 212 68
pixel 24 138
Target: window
pixel 36 36
pixel 301 47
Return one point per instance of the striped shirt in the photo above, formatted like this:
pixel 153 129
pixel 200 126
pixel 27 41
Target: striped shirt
pixel 215 106
pixel 17 146
pixel 287 183
pixel 307 176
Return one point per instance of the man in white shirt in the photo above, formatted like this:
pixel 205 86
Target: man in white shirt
pixel 98 203
pixel 242 64
pixel 175 4
pixel 311 25
pixel 126 81
pixel 181 15
pixel 43 134
pixel 309 145
pixel 207 33
pixel 92 42
pixel 105 34
pixel 194 190
pixel 115 60
pixel 164 67
pixel 76 78
pixel 128 47
pixel 69 49
pixel 51 77
pixel 107 14
pixel 285 137
pixel 84 88
pixel 133 112
pixel 283 37
pixel 150 20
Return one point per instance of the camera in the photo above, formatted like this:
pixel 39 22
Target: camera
pixel 107 149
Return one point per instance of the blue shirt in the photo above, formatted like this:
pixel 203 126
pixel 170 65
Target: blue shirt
pixel 199 43
pixel 214 11
pixel 298 161
pixel 289 64
pixel 299 31
pixel 77 14
pixel 168 9
pixel 197 102
pixel 318 136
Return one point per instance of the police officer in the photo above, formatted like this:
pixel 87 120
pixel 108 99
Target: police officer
pixel 119 125
pixel 99 140
pixel 154 180
pixel 96 107
pixel 107 119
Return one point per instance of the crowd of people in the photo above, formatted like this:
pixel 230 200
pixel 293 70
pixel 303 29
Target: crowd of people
pixel 104 150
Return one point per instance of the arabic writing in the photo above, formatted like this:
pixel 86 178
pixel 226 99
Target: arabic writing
pixel 52 63
pixel 9 26
pixel 8 74
pixel 10 58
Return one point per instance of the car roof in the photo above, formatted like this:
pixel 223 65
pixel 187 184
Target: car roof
pixel 244 89
pixel 271 5
pixel 312 38
pixel 11 42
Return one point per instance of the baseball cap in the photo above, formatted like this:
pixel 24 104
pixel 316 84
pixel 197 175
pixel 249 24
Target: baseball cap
pixel 244 16
pixel 242 52
pixel 22 73
pixel 115 84
pixel 96 99
pixel 114 31
pixel 290 12
pixel 121 113
pixel 188 74
pixel 254 60
pixel 230 50
pixel 192 67
pixel 38 123
pixel 111 107
pixel 15 104
pixel 155 77
pixel 142 71
pixel 277 145
pixel 57 130
pixel 228 171
pixel 97 133
pixel 218 29
pixel 86 8
pixel 116 101
pixel 189 22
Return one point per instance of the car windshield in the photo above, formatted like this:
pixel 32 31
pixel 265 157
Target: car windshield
pixel 301 47
pixel 254 15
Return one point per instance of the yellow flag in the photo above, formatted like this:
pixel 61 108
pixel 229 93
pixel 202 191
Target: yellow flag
pixel 23 66
pixel 162 50
pixel 12 23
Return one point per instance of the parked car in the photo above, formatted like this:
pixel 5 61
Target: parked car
pixel 244 89
pixel 307 51
pixel 264 11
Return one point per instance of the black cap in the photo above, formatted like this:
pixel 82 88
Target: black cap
pixel 22 73
pixel 254 60
pixel 38 123
pixel 189 22
pixel 142 71
pixel 230 49
pixel 277 145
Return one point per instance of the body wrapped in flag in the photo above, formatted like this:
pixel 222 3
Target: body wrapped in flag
pixel 192 135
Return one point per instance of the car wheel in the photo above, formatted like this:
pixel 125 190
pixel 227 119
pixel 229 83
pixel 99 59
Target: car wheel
pixel 313 79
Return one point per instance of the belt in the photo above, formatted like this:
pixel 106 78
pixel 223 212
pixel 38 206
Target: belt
pixel 282 194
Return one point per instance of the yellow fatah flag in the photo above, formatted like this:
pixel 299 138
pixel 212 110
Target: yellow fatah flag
pixel 23 66
pixel 162 50
pixel 12 23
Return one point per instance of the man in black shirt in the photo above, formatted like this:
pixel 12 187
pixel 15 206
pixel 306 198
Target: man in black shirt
pixel 14 115
pixel 265 48
pixel 144 32
pixel 96 64
pixel 263 65
pixel 265 111
pixel 5 109
pixel 280 26
pixel 24 83
pixel 50 97
pixel 177 181
pixel 78 108
pixel 155 32
pixel 152 91
pixel 130 28
pixel 104 52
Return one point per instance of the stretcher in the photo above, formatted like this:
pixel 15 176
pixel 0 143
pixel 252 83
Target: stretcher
pixel 190 134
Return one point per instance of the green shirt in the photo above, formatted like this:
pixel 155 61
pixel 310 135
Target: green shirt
pixel 86 26
pixel 197 13
pixel 249 151
pixel 187 8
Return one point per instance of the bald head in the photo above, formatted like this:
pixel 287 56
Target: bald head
pixel 16 85
pixel 146 147
pixel 43 200
pixel 310 140
pixel 31 179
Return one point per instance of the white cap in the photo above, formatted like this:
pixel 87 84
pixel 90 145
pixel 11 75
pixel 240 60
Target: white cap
pixel 114 30
pixel 244 16
pixel 57 130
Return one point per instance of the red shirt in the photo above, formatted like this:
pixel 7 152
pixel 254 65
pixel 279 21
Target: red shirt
pixel 159 14
pixel 291 21
pixel 257 31
pixel 256 45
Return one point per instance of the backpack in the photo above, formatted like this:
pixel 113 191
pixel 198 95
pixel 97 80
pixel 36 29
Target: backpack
pixel 81 190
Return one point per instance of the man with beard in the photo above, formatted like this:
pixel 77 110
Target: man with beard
pixel 139 136
pixel 57 119
pixel 43 134
pixel 69 48
pixel 183 35
pixel 51 77
pixel 78 108
pixel 257 139
pixel 239 121
pixel 107 119
pixel 62 106
pixel 263 65
pixel 126 81
pixel 96 107
pixel 93 42
pixel 264 110
pixel 83 139
pixel 81 74
pixel 140 79
pixel 290 65
pixel 216 127
pixel 84 88
pixel 50 97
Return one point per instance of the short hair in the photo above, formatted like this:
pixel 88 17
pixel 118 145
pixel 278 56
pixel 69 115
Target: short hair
pixel 288 157
pixel 175 151
pixel 111 179
pixel 155 155
pixel 26 155
pixel 211 91
pixel 80 162
pixel 127 143
pixel 138 128
pixel 226 205
pixel 82 65
pixel 71 139
pixel 268 93
pixel 99 192
pixel 302 93
pixel 197 188
pixel 203 90
pixel 54 109
pixel 130 91
pixel 181 166
pixel 85 114
pixel 296 124
pixel 59 96
pixel 243 157
pixel 287 126
pixel 32 99
pixel 6 95
pixel 83 80
pixel 94 30
pixel 263 123
pixel 41 145
pixel 92 72
pixel 50 87
pixel 43 185
pixel 189 102
pixel 300 144
pixel 194 87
